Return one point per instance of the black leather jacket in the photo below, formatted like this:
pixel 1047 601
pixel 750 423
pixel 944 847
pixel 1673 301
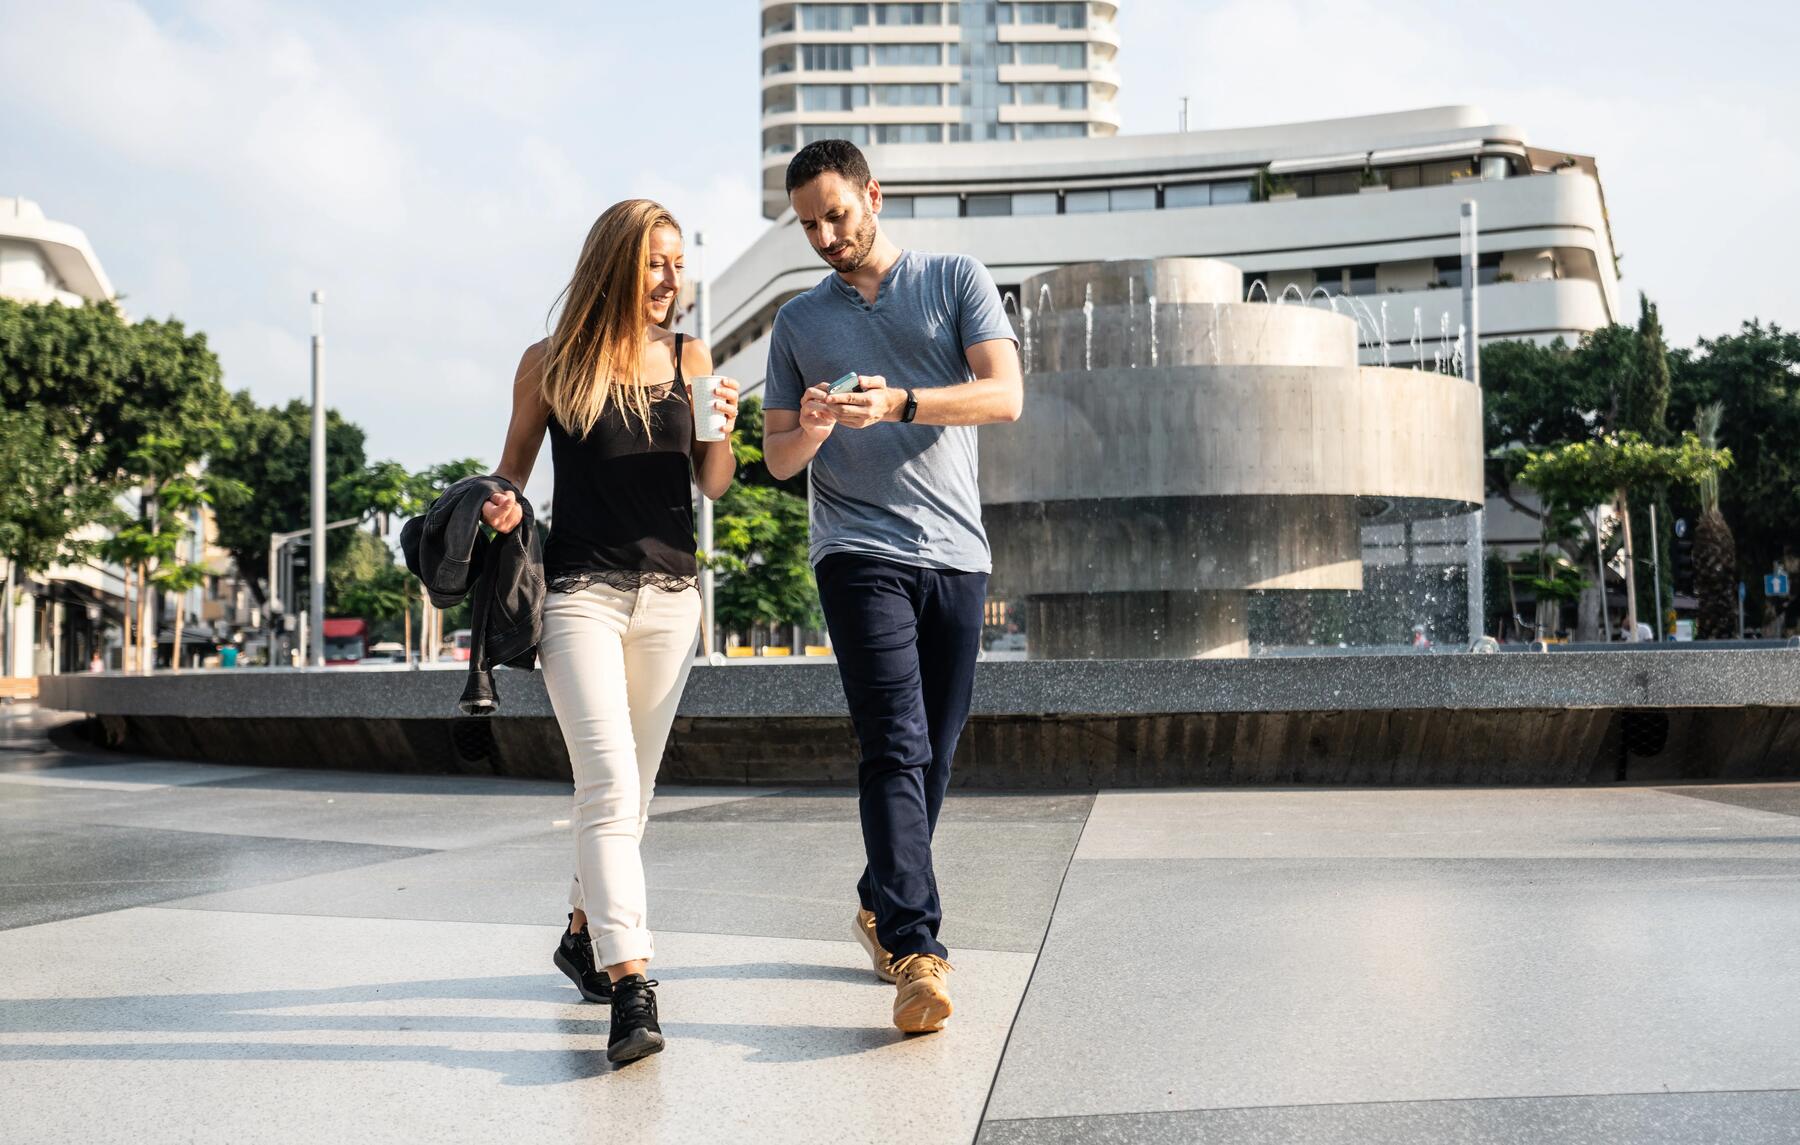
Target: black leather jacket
pixel 449 550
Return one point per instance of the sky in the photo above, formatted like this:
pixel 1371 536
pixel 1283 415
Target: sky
pixel 434 167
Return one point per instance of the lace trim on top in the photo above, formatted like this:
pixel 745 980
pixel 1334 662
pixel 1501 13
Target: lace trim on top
pixel 625 580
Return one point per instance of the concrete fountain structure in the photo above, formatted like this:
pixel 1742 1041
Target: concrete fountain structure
pixel 1181 448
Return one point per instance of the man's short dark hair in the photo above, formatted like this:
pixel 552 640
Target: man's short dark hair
pixel 820 156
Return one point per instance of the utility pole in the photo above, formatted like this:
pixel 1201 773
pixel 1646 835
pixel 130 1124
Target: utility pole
pixel 316 563
pixel 703 307
pixel 1184 114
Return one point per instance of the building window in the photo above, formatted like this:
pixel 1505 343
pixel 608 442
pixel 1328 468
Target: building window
pixel 1054 15
pixel 908 94
pixel 1133 198
pixel 833 57
pixel 833 17
pixel 936 206
pixel 1361 279
pixel 897 206
pixel 833 97
pixel 1069 56
pixel 1449 271
pixel 1443 174
pixel 909 133
pixel 1070 96
pixel 1050 130
pixel 1034 203
pixel 1233 191
pixel 909 55
pixel 854 132
pixel 908 14
pixel 1086 202
pixel 988 206
pixel 1337 183
pixel 1188 195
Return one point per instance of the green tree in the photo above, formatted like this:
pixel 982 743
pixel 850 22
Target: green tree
pixel 1755 375
pixel 760 542
pixel 48 497
pixel 269 453
pixel 1611 467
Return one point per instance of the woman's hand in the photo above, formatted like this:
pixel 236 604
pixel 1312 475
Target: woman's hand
pixel 725 400
pixel 501 511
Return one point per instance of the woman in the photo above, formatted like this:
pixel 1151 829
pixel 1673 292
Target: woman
pixel 623 610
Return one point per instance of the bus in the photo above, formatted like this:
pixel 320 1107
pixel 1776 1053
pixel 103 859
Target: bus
pixel 346 640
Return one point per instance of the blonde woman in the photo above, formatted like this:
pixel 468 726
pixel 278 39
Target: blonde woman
pixel 623 611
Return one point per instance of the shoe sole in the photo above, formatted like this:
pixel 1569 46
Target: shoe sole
pixel 637 1044
pixel 574 972
pixel 873 951
pixel 925 1013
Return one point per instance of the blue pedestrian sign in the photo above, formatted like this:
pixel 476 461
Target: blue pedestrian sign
pixel 1775 584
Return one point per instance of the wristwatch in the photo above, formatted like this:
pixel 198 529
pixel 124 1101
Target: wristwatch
pixel 911 410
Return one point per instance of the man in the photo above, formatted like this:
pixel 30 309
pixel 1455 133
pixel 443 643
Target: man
pixel 897 544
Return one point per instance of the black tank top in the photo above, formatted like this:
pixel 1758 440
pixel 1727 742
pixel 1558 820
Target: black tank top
pixel 623 512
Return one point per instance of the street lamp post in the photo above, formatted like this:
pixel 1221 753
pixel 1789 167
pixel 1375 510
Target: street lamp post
pixel 703 305
pixel 317 564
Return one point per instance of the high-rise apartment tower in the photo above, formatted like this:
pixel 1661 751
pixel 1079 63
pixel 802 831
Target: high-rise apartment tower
pixel 962 71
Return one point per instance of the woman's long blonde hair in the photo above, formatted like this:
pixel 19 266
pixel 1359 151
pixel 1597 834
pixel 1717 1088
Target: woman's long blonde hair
pixel 596 351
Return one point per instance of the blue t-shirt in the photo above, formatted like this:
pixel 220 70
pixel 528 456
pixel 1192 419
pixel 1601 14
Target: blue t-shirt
pixel 906 493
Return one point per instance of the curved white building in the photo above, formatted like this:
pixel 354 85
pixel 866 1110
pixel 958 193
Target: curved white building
pixel 1367 209
pixel 45 261
pixel 881 74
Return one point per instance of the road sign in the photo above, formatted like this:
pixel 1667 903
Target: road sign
pixel 1775 584
pixel 1681 526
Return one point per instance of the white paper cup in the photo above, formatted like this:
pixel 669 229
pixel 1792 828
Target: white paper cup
pixel 709 423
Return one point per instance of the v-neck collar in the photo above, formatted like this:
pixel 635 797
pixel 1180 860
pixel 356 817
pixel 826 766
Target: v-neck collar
pixel 881 291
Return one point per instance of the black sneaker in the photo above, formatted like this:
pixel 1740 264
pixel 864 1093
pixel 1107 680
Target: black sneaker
pixel 635 1033
pixel 575 957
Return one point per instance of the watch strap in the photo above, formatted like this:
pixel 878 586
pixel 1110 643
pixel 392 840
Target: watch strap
pixel 911 409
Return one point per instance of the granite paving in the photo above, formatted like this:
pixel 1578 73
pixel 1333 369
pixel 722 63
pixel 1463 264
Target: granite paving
pixel 228 954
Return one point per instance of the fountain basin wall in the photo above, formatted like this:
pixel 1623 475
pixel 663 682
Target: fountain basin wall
pixel 1402 719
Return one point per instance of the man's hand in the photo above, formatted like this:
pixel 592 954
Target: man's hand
pixel 501 511
pixel 817 415
pixel 876 403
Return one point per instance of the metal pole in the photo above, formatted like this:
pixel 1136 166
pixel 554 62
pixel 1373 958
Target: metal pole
pixel 1656 573
pixel 272 600
pixel 316 562
pixel 1600 567
pixel 1184 113
pixel 708 626
pixel 1471 305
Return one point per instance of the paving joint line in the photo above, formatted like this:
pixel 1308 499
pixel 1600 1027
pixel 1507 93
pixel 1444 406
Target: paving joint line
pixel 1036 960
pixel 1400 1101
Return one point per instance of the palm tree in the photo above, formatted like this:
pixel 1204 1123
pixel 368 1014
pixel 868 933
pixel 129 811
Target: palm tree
pixel 1715 551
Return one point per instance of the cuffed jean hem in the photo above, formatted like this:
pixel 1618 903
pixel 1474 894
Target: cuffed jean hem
pixel 624 946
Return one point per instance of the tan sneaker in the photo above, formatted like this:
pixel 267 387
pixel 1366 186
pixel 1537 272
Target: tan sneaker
pixel 922 1003
pixel 878 957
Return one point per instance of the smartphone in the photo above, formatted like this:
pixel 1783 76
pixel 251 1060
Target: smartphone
pixel 845 385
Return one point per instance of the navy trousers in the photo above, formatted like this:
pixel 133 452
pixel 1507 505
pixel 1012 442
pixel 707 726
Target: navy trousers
pixel 906 640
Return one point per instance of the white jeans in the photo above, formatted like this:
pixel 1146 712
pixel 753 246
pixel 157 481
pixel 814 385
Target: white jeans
pixel 614 663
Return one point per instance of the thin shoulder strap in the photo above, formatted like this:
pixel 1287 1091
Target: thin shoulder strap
pixel 679 339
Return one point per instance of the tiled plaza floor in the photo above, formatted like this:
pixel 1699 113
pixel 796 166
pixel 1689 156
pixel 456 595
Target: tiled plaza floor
pixel 194 953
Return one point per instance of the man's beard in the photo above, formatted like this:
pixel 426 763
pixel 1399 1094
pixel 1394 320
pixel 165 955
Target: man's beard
pixel 860 246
